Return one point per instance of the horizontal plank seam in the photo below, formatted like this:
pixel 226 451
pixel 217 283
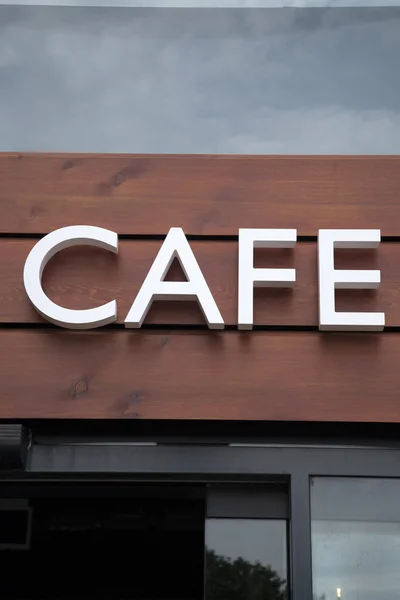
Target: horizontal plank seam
pixel 390 239
pixel 154 328
pixel 218 157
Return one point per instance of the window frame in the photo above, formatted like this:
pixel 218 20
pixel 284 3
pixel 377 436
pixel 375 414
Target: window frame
pixel 206 461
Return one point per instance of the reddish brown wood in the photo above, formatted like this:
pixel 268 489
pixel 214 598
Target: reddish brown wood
pixel 203 375
pixel 203 194
pixel 83 277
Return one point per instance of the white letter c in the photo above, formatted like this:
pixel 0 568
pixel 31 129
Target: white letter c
pixel 39 256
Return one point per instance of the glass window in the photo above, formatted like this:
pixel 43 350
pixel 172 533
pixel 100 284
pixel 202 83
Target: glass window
pixel 199 80
pixel 355 538
pixel 105 548
pixel 246 556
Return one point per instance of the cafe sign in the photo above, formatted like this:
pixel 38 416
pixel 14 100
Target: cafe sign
pixel 195 287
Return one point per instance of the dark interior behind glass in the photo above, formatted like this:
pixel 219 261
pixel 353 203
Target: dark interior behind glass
pixel 113 548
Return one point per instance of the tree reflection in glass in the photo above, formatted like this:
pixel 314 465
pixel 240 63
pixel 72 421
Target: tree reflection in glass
pixel 246 559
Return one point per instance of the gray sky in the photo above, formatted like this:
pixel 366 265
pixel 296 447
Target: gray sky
pixel 205 3
pixel 317 81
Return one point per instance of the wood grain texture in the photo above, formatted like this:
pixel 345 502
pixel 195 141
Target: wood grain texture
pixel 84 277
pixel 249 376
pixel 212 195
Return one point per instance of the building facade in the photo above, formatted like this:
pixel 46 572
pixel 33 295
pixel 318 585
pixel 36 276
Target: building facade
pixel 199 300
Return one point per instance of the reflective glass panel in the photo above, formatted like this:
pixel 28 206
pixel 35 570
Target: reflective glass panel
pixel 355 538
pixel 246 558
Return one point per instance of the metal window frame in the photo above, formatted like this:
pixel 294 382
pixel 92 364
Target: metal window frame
pixel 103 462
pixel 247 501
pixel 23 507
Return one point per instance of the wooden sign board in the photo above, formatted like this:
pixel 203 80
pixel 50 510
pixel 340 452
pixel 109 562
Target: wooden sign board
pixel 174 367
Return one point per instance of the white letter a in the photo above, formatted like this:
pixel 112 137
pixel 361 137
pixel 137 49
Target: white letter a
pixel 155 288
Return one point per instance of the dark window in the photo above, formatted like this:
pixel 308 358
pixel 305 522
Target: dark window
pixel 340 535
pixel 14 527
pixel 115 548
pixel 151 542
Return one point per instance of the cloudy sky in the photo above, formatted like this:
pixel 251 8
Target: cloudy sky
pixel 175 80
pixel 205 3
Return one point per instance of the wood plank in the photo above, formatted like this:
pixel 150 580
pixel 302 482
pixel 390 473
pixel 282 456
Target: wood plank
pixel 200 375
pixel 213 195
pixel 84 277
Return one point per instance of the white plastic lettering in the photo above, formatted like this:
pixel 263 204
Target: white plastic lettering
pixel 39 256
pixel 154 287
pixel 249 277
pixel 331 279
